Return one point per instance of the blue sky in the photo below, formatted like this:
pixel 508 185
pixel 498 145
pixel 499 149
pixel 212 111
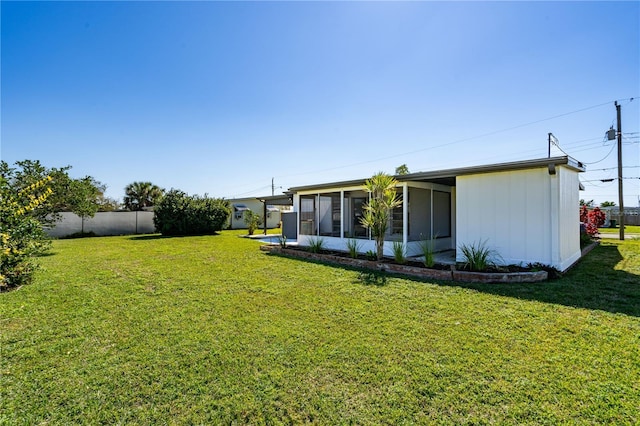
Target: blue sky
pixel 221 97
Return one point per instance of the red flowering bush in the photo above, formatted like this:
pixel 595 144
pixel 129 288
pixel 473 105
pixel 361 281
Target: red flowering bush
pixel 592 220
pixel 584 214
pixel 597 217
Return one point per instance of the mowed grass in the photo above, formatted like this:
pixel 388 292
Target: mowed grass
pixel 631 229
pixel 210 330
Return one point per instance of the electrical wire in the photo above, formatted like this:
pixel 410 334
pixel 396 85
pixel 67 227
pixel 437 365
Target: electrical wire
pixel 455 141
pixel 605 157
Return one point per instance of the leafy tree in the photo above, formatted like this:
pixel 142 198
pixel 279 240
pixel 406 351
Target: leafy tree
pixel 139 195
pixel 586 203
pixel 79 196
pixel 377 212
pixel 402 170
pixel 107 204
pixel 181 214
pixel 21 234
pixel 607 204
pixel 253 221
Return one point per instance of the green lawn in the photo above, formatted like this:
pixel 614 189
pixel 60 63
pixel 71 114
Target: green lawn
pixel 631 229
pixel 210 330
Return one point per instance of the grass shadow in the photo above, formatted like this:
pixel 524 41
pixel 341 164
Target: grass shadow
pixel 593 283
pixel 148 237
pixel 371 278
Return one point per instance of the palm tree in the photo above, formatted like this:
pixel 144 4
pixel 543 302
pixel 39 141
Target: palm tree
pixel 142 194
pixel 377 211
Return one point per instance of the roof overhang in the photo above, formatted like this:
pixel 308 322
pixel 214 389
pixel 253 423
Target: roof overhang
pixel 448 177
pixel 277 200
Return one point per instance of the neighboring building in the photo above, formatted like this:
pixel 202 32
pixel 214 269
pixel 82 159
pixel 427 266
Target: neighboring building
pixel 239 207
pixel 527 211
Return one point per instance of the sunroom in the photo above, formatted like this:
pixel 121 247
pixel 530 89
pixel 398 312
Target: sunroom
pixel 334 214
pixel 524 211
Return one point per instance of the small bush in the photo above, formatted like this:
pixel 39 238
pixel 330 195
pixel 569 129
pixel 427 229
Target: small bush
pixel 371 255
pixel 353 247
pixel 182 214
pixel 478 257
pixel 427 247
pixel 399 252
pixel 316 245
pixel 21 235
pixel 253 221
pixel 282 240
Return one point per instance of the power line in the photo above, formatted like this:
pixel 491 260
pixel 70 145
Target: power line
pixel 604 158
pixel 457 141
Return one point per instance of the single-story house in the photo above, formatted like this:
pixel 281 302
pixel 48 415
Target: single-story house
pixel 270 205
pixel 526 211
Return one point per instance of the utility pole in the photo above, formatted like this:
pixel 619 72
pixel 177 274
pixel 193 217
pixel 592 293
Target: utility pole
pixel 273 189
pixel 549 148
pixel 620 197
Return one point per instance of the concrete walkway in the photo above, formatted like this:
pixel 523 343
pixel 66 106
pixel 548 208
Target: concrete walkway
pixel 627 236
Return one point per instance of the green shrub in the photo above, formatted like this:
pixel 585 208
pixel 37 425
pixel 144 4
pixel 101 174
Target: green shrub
pixel 427 248
pixel 478 257
pixel 371 255
pixel 399 252
pixel 353 247
pixel 181 214
pixel 21 234
pixel 253 221
pixel 316 245
pixel 282 240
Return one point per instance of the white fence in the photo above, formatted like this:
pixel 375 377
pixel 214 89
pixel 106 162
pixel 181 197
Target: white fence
pixel 104 223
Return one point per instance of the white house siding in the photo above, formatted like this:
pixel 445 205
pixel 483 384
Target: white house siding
pixel 256 206
pixel 527 216
pixel 569 229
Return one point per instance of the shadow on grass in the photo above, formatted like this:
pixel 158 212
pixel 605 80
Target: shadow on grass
pixel 372 278
pixel 149 237
pixel 162 237
pixel 593 283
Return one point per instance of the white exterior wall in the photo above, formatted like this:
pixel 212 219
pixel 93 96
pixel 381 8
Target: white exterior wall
pixel 105 223
pixel 527 216
pixel 256 206
pixel 569 220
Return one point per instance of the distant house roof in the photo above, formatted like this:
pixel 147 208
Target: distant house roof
pixel 448 176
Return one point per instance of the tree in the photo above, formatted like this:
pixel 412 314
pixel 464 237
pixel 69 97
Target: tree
pixel 21 234
pixel 253 220
pixel 402 170
pixel 607 204
pixel 377 212
pixel 586 203
pixel 142 194
pixel 79 196
pixel 181 214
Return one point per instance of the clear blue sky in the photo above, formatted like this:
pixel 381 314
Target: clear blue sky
pixel 219 97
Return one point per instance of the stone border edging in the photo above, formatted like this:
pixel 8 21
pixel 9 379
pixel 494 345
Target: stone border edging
pixel 450 275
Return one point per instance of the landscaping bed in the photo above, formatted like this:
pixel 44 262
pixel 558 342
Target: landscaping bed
pixel 440 272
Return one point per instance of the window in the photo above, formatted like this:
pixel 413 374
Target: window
pixel 329 214
pixel 308 215
pixel 354 203
pixel 395 227
pixel 441 214
pixel 238 211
